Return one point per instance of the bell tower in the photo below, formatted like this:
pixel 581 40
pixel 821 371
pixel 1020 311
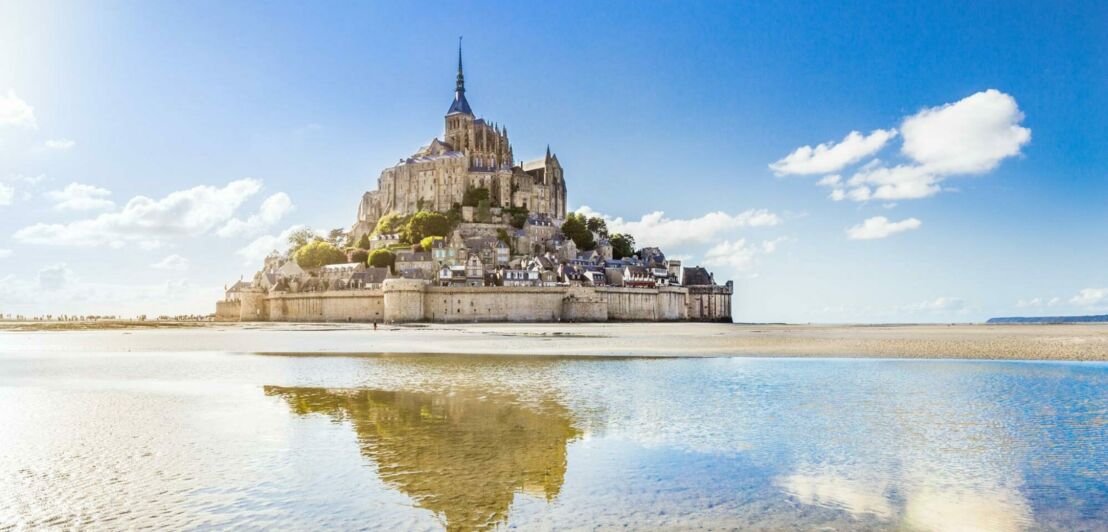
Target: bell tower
pixel 459 118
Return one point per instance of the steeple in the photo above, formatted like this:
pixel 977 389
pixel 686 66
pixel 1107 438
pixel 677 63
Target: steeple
pixel 460 87
pixel 460 104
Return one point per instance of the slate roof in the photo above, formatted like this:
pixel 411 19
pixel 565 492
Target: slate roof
pixel 698 276
pixel 460 105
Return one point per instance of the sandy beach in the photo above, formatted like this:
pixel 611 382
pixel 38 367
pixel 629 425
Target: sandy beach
pixel 1019 342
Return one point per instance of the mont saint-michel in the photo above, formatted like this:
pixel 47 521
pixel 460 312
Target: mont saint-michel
pixel 462 231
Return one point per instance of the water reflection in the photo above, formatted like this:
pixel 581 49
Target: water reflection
pixel 464 456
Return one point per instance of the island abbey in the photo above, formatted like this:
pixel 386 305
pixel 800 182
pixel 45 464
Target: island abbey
pixel 461 231
pixel 474 154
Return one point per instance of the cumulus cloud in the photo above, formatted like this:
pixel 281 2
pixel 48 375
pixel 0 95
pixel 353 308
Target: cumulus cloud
pixel 881 227
pixel 895 183
pixel 7 194
pixel 970 136
pixel 271 211
pixel 831 157
pixel 59 144
pixel 1091 297
pixel 737 255
pixel 656 229
pixel 260 247
pixel 16 112
pixel 190 212
pixel 172 262
pixel 5 253
pixel 81 197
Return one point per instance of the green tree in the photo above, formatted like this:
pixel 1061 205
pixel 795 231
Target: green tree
pixel 337 237
pixel 300 238
pixel 473 196
pixel 428 241
pixel 622 245
pixel 358 255
pixel 575 229
pixel 382 258
pixel 424 224
pixel 389 223
pixel 318 253
pixel 363 242
pixel 598 226
pixel 519 216
pixel 503 236
pixel 483 214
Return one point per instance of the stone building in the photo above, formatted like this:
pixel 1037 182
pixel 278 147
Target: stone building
pixel 473 154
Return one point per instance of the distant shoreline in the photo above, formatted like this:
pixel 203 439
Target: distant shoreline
pixel 1083 342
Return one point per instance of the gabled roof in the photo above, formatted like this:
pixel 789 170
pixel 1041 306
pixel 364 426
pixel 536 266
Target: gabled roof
pixel 697 276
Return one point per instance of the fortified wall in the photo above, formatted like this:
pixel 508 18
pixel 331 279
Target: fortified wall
pixel 407 300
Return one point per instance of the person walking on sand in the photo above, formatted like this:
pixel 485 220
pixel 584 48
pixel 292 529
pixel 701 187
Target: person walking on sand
pixel 375 326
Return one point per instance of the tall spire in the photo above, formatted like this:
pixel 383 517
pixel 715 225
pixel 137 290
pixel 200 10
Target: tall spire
pixel 461 85
pixel 460 104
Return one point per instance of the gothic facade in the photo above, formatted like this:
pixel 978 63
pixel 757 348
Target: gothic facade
pixel 474 153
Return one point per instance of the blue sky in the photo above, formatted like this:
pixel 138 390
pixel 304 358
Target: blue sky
pixel 984 122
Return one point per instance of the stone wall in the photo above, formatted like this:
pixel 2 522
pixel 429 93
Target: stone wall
pixel 501 303
pixel 410 300
pixel 645 304
pixel 340 305
pixel 228 310
pixel 710 303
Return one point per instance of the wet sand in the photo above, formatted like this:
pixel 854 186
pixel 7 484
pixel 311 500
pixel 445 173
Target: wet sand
pixel 1019 342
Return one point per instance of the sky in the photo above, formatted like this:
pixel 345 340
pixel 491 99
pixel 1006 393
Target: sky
pixel 858 162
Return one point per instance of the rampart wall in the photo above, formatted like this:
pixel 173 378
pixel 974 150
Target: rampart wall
pixel 406 300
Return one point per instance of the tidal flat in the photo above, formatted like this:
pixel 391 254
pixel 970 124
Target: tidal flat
pixel 956 341
pixel 308 427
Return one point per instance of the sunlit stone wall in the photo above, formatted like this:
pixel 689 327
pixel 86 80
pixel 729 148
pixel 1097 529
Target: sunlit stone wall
pixel 406 300
pixel 345 305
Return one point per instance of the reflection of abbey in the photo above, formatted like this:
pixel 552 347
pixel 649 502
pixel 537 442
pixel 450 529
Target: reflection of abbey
pixel 495 243
pixel 474 154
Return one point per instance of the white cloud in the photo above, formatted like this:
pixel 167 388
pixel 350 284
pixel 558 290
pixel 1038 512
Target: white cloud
pixel 737 255
pixel 172 262
pixel 1029 303
pixel 271 211
pixel 260 247
pixel 190 212
pixel 831 157
pixel 57 290
pixel 1091 297
pixel 54 277
pixel 941 305
pixel 5 253
pixel 969 136
pixel 881 227
pixel 896 183
pixel 8 187
pixel 81 197
pixel 59 144
pixel 655 229
pixel 16 112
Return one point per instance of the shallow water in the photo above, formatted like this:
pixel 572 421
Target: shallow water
pixel 214 440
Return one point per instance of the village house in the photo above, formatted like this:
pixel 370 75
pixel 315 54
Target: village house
pixel 519 277
pixel 418 264
pixel 475 270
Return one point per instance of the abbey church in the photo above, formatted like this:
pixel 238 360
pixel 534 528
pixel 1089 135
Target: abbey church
pixel 473 154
